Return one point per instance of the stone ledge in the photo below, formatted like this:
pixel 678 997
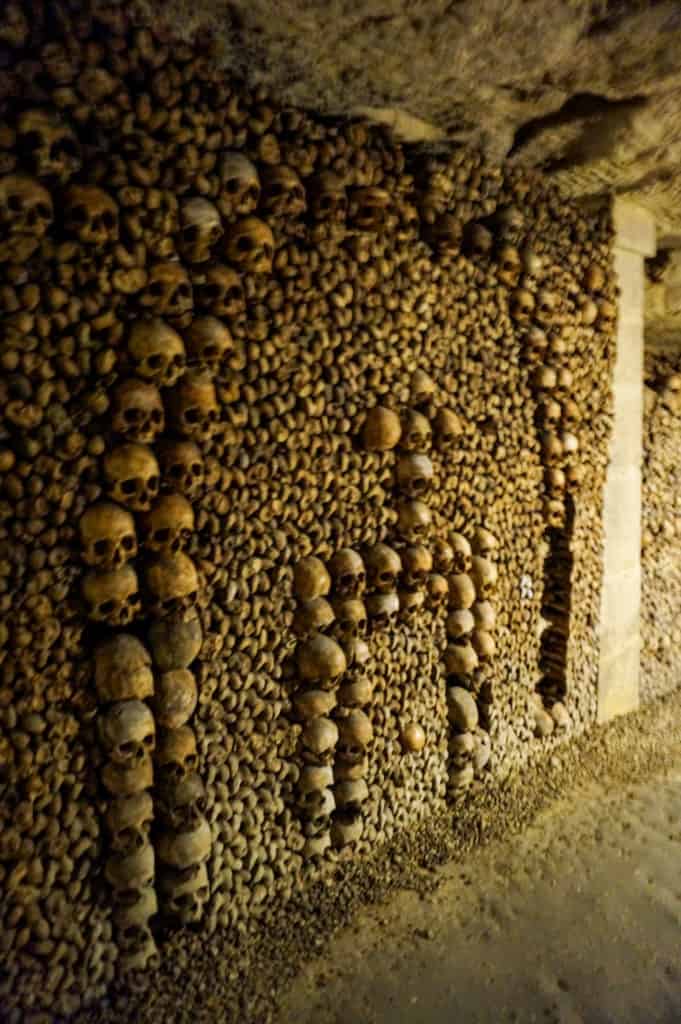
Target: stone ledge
pixel 634 227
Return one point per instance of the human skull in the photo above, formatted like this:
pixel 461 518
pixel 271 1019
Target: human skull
pixel 208 341
pixel 437 591
pixel 461 591
pixel 556 482
pixel 107 534
pixel 239 186
pixel 545 377
pixel 283 192
pixel 594 278
pixel 416 432
pixel 551 448
pixel 509 223
pixel 311 579
pixel 185 849
pixel 444 235
pixel 484 645
pixel 546 304
pixel 417 563
pixel 411 603
pixel 250 245
pixel 127 732
pixel 348 573
pixel 463 554
pixel 485 543
pixel 313 779
pixel 175 698
pixel 607 315
pixel 459 625
pixel 382 609
pixel 384 566
pixel 219 291
pixel 328 201
pixel 382 429
pixel 193 407
pixel 168 291
pixel 184 896
pixel 311 704
pixel 321 661
pixel 351 618
pixel 484 575
pixel 91 215
pixel 200 229
pixel 169 524
pixel 355 734
pixel 128 819
pixel 176 755
pixel 351 794
pixel 346 831
pixel 130 873
pixel 509 265
pixel 549 413
pixel 412 737
pixel 182 465
pixel 172 583
pixel 132 476
pixel 113 596
pixel 26 213
pixel 553 512
pixel 421 388
pixel 413 521
pixel 460 659
pixel 535 341
pixel 138 410
pixel 356 693
pixel 521 306
pixel 448 430
pixel 570 415
pixel 181 804
pixel 175 641
pixel 314 616
pixel 317 813
pixel 134 914
pixel 478 241
pixel 368 208
pixel 443 555
pixel 48 147
pixel 157 352
pixel 318 740
pixel 123 669
pixel 128 779
pixel 414 474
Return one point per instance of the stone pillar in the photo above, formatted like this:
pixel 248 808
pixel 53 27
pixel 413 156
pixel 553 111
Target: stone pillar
pixel 618 685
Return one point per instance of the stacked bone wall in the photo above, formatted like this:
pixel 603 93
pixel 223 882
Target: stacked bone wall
pixel 661 532
pixel 324 308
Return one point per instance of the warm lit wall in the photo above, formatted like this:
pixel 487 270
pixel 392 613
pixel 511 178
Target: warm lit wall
pixel 334 301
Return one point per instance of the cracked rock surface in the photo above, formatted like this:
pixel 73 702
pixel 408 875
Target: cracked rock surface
pixel 589 91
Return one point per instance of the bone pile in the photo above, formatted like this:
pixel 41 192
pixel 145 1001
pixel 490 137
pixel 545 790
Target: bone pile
pixel 660 536
pixel 240 344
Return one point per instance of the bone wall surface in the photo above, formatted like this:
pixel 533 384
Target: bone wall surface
pixel 661 539
pixel 304 437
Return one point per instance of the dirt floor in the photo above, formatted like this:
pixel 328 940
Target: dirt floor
pixel 577 920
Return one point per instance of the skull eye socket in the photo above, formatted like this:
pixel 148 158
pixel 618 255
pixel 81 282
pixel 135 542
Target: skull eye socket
pixel 101 547
pixel 107 607
pixel 132 415
pixel 156 416
pixel 109 220
pixel 43 211
pixel 161 536
pixel 234 294
pixel 253 193
pixel 155 362
pixel 244 243
pixel 14 203
pixel 128 542
pixel 153 483
pixel 78 215
pixel 156 288
pixel 191 234
pixel 128 486
pixel 196 468
pixel 64 147
pixel 232 185
pixel 191 415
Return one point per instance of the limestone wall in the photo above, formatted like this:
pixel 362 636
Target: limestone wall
pixel 661 536
pixel 303 447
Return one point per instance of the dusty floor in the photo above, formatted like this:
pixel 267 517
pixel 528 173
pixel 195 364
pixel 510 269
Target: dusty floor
pixel 577 920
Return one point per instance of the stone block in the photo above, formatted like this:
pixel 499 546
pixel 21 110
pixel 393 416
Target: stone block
pixel 618 682
pixel 620 608
pixel 635 228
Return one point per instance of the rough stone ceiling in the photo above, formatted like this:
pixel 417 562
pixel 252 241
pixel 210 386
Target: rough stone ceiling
pixel 589 91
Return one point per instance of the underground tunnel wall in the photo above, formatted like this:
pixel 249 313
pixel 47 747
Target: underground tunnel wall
pixel 304 438
pixel 661 544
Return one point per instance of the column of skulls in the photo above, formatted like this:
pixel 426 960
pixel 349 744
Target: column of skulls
pixel 355 732
pixel 320 664
pixel 547 337
pixel 172 590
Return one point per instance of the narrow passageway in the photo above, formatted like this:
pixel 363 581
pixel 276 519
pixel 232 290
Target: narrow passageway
pixel 577 921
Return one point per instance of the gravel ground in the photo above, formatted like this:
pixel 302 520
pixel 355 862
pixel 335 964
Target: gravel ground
pixel 439 925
